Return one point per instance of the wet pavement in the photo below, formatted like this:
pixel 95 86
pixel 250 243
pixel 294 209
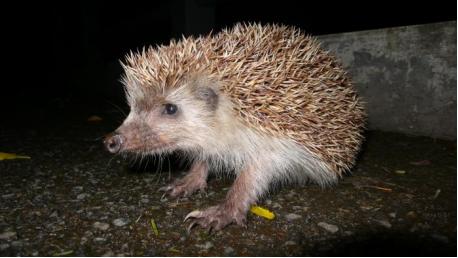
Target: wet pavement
pixel 73 198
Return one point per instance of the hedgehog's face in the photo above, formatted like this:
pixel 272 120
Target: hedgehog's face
pixel 180 118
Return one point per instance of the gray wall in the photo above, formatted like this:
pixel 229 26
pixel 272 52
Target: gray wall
pixel 406 75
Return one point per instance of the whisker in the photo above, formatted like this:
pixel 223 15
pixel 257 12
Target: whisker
pixel 117 107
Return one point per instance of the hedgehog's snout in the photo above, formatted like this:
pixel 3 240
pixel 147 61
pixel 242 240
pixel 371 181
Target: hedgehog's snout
pixel 113 142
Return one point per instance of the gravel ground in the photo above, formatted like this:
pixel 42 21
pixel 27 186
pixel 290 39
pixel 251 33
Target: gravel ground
pixel 73 198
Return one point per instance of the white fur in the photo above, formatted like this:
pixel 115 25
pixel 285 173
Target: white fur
pixel 227 144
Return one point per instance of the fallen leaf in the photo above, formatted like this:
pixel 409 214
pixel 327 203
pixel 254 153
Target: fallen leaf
pixel 154 227
pixel 4 155
pixel 262 212
pixel 94 119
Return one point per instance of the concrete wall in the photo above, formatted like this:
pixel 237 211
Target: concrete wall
pixel 407 76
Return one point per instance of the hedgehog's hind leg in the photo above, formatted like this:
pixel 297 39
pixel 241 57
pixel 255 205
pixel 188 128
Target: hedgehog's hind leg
pixel 196 179
pixel 243 193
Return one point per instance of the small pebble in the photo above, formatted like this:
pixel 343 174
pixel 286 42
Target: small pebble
pixel 276 205
pixel 99 239
pixel 101 225
pixel 292 216
pixel 7 235
pixel 108 253
pixel 440 238
pixel 228 250
pixel 344 210
pixel 125 246
pixel 54 214
pixel 4 246
pixel 17 244
pixel 150 252
pixel 384 223
pixel 83 240
pixel 329 227
pixel 8 196
pixel 38 171
pixel 206 246
pixel 120 222
pixel 77 189
pixel 414 228
pixel 411 215
pixel 290 242
pixel 82 196
pixel 144 200
pixel 392 214
pixel 147 180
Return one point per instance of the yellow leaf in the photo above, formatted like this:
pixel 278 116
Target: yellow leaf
pixel 154 227
pixel 4 155
pixel 262 212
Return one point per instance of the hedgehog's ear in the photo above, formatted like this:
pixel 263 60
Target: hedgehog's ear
pixel 208 95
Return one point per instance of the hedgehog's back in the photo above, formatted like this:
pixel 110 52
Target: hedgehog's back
pixel 283 84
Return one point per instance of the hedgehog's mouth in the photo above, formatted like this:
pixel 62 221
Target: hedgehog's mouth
pixel 143 148
pixel 151 144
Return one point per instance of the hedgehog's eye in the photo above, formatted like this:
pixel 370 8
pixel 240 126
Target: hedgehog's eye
pixel 170 109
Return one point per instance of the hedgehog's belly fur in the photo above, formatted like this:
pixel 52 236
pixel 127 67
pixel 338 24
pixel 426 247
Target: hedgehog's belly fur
pixel 237 145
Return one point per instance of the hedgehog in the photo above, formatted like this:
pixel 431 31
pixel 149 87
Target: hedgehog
pixel 264 103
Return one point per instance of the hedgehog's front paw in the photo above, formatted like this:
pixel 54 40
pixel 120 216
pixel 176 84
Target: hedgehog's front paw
pixel 185 186
pixel 215 218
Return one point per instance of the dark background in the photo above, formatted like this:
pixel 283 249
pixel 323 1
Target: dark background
pixel 58 55
pixel 60 65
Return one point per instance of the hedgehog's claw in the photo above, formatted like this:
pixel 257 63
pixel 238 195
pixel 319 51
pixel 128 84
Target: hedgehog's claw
pixel 214 218
pixel 189 228
pixel 193 214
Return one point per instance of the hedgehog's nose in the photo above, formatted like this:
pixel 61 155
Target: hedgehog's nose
pixel 113 142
